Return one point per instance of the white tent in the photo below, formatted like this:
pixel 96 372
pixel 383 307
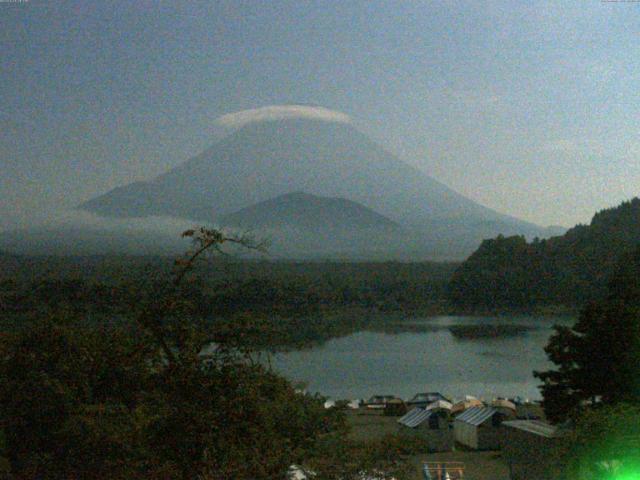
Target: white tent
pixel 440 405
pixel 501 403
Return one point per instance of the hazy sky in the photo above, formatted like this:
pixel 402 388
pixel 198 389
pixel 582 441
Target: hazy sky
pixel 531 108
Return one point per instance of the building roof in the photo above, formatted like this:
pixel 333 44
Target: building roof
pixel 476 415
pixel 440 405
pixel 536 427
pixel 415 417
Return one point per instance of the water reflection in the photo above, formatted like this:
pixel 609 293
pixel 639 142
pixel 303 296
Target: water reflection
pixel 425 355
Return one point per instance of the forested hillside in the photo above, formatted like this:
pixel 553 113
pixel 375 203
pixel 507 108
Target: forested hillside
pixel 299 303
pixel 510 273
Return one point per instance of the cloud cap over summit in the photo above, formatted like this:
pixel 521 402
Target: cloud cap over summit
pixel 281 112
pixel 285 149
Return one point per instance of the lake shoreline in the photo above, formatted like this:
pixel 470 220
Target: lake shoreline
pixel 456 355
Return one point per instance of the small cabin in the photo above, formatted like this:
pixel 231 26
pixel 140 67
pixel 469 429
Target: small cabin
pixel 480 428
pixel 431 425
pixel 530 449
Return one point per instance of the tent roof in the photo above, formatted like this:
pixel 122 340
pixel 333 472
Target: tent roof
pixel 502 403
pixel 465 404
pixel 442 404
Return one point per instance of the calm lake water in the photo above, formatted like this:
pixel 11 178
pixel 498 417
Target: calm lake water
pixel 434 358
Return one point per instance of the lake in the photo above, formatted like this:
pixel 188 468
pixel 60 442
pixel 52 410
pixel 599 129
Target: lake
pixel 481 356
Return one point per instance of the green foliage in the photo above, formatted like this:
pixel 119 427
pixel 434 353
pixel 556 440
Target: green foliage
pixel 66 397
pixel 509 273
pixel 233 420
pixel 598 358
pixel 293 304
pixel 337 458
pixel 152 397
pixel 98 403
pixel 497 275
pixel 605 444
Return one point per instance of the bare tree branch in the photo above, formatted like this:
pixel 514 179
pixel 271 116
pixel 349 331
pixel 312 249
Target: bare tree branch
pixel 204 240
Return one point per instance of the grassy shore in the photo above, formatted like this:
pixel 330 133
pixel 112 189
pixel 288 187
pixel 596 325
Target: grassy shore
pixel 368 425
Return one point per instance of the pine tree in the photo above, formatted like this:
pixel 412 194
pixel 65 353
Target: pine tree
pixel 598 359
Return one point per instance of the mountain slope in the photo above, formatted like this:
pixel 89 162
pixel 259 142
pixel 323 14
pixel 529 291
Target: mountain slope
pixel 301 225
pixel 266 159
pixel 566 270
pixel 308 211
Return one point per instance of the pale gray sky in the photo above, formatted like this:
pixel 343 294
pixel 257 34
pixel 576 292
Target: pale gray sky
pixel 531 108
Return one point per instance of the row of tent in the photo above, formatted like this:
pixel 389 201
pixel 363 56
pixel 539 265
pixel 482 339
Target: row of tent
pixel 425 399
pixel 434 403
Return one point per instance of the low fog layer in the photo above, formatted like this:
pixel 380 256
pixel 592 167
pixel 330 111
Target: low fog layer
pixel 318 153
pixel 302 176
pixel 77 232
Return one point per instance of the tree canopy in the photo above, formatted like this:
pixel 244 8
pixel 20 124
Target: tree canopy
pixel 598 359
pixel 604 445
pixel 155 397
pixel 569 270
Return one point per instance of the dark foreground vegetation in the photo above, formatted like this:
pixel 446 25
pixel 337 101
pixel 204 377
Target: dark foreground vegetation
pixel 134 368
pixel 295 304
pixel 598 358
pixel 508 273
pixel 594 388
pixel 151 397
